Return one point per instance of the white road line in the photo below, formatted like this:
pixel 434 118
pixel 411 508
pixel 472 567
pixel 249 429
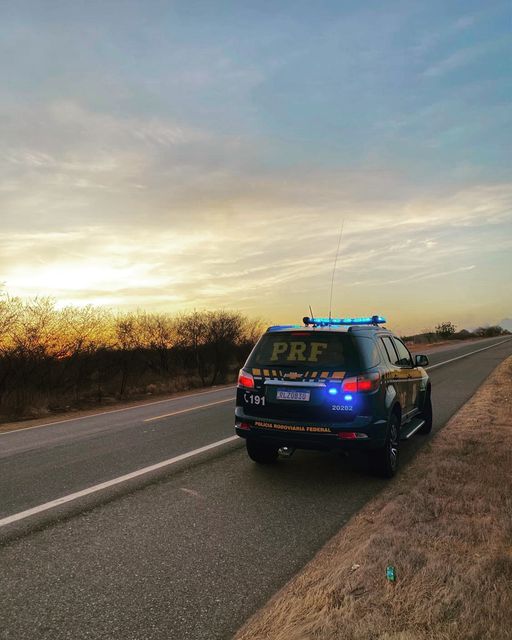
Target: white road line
pixel 16 517
pixel 104 413
pixel 465 355
pixel 201 406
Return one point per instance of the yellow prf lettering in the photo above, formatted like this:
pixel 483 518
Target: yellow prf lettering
pixel 316 350
pixel 297 351
pixel 278 349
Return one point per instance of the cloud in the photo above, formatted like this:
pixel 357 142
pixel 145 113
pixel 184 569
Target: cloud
pixel 412 277
pixel 257 260
pixel 89 170
pixel 84 166
pixel 460 58
pixel 464 22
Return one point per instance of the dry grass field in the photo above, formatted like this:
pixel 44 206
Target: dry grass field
pixel 445 524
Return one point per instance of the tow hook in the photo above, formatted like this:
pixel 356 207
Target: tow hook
pixel 286 452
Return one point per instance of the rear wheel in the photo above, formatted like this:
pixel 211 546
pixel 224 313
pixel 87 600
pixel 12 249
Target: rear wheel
pixel 261 453
pixel 384 461
pixel 426 414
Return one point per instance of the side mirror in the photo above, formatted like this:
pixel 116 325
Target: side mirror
pixel 421 360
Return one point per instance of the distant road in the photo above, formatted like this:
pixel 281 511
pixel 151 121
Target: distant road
pixel 184 550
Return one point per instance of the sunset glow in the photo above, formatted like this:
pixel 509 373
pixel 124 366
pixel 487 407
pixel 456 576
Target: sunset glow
pixel 181 157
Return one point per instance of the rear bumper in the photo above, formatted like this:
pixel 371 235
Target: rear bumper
pixel 362 433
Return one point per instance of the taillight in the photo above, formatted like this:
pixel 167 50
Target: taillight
pixel 367 384
pixel 349 385
pixel 361 384
pixel 245 380
pixel 351 435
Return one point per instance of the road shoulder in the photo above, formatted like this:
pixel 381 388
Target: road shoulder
pixel 444 524
pixel 113 407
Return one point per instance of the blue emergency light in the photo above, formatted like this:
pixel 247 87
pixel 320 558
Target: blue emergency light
pixel 339 322
pixel 280 327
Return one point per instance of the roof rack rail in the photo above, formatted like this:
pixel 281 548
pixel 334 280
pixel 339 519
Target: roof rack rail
pixel 278 327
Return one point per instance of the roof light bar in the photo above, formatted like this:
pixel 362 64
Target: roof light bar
pixel 324 322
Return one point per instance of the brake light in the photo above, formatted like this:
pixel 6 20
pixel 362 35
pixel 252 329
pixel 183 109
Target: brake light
pixel 351 435
pixel 350 385
pixel 365 385
pixel 245 380
pixel 361 384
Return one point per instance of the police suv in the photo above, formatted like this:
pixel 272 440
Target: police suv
pixel 332 384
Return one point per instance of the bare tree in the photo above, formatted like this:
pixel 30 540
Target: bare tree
pixel 224 331
pixel 158 334
pixel 51 356
pixel 192 335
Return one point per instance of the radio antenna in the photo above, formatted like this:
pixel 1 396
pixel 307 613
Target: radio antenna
pixel 334 268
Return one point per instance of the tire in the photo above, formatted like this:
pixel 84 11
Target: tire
pixel 426 414
pixel 261 453
pixel 384 461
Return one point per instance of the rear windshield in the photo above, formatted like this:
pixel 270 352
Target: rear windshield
pixel 311 350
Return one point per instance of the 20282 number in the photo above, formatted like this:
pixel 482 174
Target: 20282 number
pixel 341 407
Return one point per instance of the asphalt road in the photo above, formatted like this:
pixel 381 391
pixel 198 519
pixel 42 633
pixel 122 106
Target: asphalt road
pixel 188 550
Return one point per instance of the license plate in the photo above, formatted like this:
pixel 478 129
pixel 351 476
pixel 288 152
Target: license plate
pixel 286 394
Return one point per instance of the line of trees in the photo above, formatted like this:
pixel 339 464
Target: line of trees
pixel 448 331
pixel 55 358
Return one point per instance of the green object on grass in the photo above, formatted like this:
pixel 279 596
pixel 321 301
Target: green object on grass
pixel 391 573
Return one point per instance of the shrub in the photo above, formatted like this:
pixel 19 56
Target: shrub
pixel 445 330
pixel 54 358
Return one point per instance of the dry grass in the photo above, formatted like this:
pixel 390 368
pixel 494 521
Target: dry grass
pixel 445 524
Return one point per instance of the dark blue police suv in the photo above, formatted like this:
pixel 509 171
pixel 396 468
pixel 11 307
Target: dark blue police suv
pixel 332 384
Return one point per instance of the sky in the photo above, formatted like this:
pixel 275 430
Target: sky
pixel 172 156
